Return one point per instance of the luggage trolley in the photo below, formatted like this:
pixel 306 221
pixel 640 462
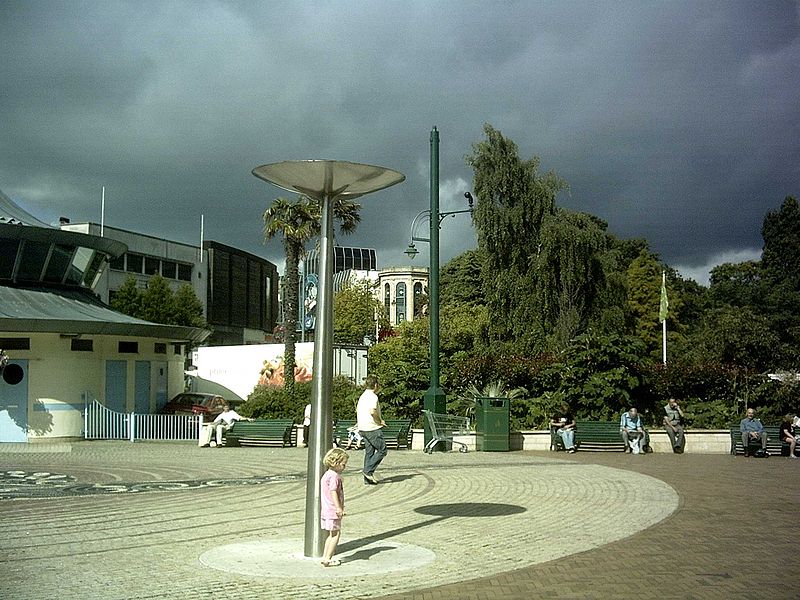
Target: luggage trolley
pixel 444 428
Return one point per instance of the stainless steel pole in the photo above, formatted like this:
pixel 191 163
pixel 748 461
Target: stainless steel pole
pixel 321 423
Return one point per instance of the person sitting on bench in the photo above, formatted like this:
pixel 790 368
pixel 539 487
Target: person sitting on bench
pixel 632 430
pixel 564 425
pixel 787 433
pixel 219 426
pixel 752 429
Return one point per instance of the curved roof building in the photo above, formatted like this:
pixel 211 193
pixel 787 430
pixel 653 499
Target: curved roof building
pixel 63 343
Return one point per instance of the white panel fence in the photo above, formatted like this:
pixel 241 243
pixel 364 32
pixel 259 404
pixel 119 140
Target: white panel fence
pixel 101 423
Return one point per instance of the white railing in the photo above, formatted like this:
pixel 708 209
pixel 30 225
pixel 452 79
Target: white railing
pixel 101 423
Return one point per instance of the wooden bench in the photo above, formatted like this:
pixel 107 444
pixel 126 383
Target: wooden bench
pixel 262 432
pixel 397 432
pixel 774 445
pixel 595 436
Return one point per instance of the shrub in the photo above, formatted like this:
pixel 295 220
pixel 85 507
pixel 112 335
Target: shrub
pixel 269 402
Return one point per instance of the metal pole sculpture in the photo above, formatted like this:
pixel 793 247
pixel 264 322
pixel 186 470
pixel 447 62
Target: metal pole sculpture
pixel 325 181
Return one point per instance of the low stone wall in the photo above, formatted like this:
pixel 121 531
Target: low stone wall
pixel 698 441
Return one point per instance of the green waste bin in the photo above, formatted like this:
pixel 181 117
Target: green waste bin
pixel 492 424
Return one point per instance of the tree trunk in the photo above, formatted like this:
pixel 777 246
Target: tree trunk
pixel 290 314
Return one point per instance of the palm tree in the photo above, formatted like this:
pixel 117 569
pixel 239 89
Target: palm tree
pixel 298 222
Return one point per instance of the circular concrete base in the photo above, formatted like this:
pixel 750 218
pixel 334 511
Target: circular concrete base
pixel 284 558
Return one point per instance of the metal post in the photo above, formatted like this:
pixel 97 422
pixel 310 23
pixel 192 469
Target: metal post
pixel 324 180
pixel 435 399
pixel 321 424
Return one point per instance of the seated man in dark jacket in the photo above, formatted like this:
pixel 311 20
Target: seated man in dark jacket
pixel 752 429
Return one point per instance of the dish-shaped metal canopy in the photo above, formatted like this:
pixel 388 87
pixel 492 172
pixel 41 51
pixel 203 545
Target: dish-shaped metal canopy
pixel 319 179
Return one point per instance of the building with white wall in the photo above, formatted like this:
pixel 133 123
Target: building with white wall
pixel 403 291
pixel 64 345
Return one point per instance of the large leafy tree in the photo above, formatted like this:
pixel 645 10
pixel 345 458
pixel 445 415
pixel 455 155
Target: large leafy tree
pixel 188 308
pixel 545 270
pixel 780 265
pixel 460 280
pixel 513 201
pixel 354 311
pixel 159 304
pixel 128 298
pixel 297 222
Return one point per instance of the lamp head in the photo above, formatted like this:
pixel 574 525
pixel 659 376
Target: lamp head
pixel 470 199
pixel 411 251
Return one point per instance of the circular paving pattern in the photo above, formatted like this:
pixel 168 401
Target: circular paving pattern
pixel 198 527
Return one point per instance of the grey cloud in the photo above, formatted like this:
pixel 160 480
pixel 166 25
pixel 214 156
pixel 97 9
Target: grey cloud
pixel 672 121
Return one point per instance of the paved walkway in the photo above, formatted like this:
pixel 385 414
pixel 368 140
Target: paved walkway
pixel 115 520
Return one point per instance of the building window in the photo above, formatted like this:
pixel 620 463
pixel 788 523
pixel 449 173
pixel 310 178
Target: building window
pixel 79 345
pixel 151 265
pixel 417 299
pixel 400 301
pixel 118 264
pixel 15 343
pixel 128 347
pixel 159 348
pixel 387 297
pixel 177 349
pixel 135 263
pixel 184 272
pixel 169 269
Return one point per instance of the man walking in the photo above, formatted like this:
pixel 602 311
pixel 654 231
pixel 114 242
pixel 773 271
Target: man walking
pixel 370 424
pixel 673 423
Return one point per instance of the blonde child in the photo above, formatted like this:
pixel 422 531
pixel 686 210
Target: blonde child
pixel 332 500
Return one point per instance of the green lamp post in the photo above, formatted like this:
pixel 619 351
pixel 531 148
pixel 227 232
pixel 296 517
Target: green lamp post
pixel 435 399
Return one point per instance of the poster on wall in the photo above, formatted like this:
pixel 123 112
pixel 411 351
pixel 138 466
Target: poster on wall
pixel 241 368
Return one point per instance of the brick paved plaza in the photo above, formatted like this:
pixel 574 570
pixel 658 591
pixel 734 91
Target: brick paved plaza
pixel 115 520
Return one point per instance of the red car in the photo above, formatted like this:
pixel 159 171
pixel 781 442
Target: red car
pixel 195 403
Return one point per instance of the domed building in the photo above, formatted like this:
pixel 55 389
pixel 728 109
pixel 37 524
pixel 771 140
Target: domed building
pixel 61 346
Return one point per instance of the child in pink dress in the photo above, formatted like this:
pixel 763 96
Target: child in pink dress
pixel 331 494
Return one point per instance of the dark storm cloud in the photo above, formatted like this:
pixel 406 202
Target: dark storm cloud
pixel 676 122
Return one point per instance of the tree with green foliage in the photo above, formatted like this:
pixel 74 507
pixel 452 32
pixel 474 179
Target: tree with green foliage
pixel 159 304
pixel 546 271
pixel 780 265
pixel 738 336
pixel 601 376
pixel 354 311
pixel 297 222
pixel 128 299
pixel 189 308
pixel 737 284
pixel 460 280
pixel 158 301
pixel 513 200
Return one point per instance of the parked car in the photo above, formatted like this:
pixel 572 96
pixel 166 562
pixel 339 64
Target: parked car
pixel 196 403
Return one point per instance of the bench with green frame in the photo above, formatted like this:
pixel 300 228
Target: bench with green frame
pixel 774 444
pixel 397 432
pixel 598 435
pixel 262 432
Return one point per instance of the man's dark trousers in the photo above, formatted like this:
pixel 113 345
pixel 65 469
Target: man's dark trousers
pixel 374 450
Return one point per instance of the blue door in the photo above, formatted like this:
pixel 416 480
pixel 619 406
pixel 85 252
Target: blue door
pixel 117 385
pixel 142 388
pixel 14 402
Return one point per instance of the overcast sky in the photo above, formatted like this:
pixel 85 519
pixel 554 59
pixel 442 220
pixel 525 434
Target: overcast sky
pixel 673 121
